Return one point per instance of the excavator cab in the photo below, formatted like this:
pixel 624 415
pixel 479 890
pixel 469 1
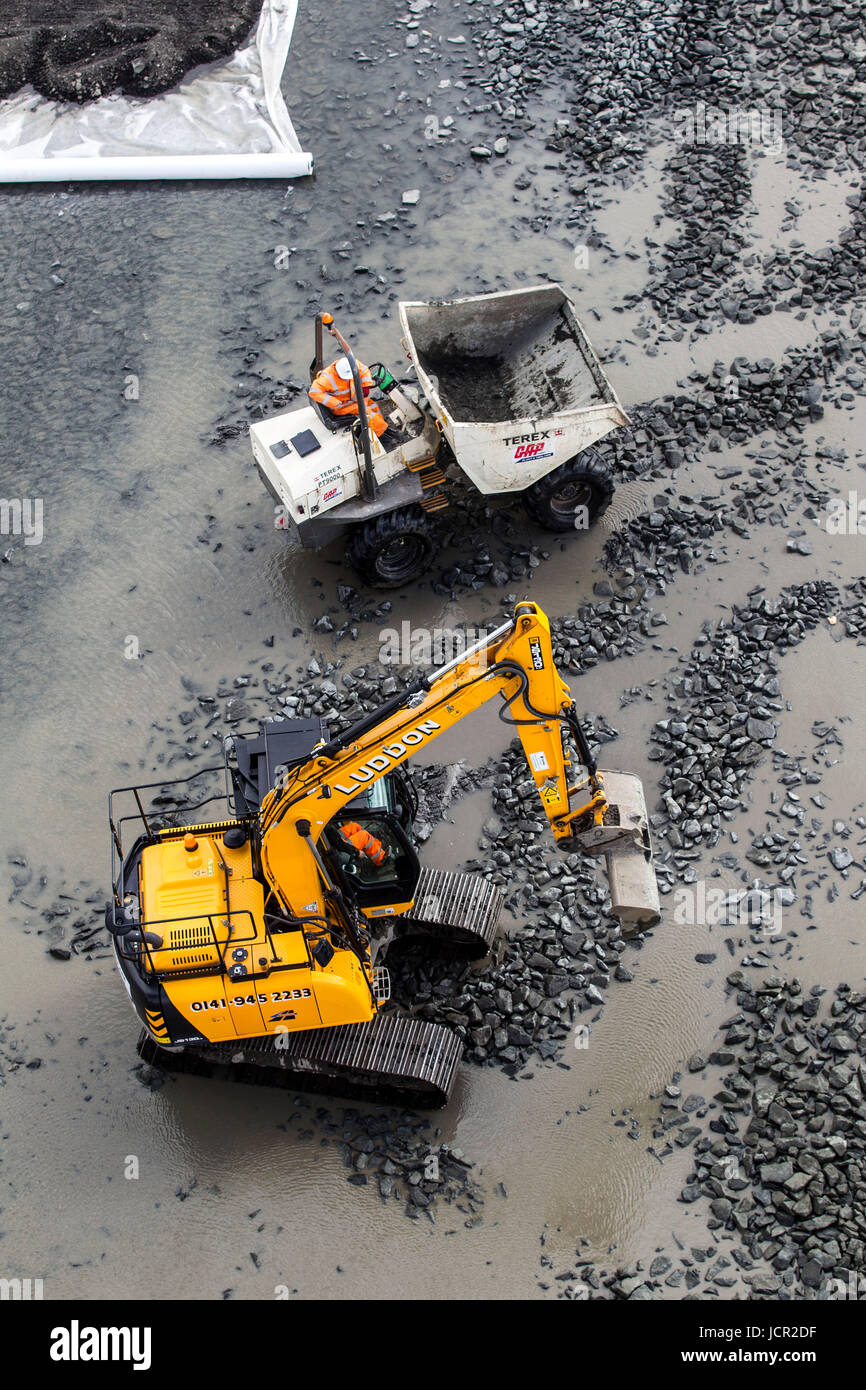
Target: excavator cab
pixel 373 858
pixel 384 813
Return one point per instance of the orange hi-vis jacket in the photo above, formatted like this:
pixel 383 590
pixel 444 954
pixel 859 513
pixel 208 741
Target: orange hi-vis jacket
pixel 337 395
pixel 363 841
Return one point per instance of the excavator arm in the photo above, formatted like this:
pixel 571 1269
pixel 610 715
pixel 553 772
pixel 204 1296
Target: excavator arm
pixel 515 662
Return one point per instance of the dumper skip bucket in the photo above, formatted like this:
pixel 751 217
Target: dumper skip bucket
pixel 512 380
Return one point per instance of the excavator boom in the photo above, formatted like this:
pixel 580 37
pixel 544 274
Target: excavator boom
pixel 515 661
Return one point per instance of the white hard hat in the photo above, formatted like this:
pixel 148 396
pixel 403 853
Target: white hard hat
pixel 344 371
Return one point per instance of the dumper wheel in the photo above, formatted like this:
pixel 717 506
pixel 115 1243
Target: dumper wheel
pixel 393 549
pixel 573 496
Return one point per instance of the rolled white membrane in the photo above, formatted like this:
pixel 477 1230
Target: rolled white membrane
pixel 227 120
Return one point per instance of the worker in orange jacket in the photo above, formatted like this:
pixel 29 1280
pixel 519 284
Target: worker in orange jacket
pixel 335 390
pixel 365 843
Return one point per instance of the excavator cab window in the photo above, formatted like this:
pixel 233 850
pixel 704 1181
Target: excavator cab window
pixel 404 798
pixel 393 793
pixel 372 856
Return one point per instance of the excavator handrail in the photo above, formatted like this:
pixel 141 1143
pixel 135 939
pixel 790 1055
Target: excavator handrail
pixel 165 782
pixel 142 946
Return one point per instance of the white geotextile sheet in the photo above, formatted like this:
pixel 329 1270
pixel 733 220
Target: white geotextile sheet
pixel 227 120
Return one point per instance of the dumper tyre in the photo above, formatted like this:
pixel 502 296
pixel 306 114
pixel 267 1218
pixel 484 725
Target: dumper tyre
pixel 583 481
pixel 391 550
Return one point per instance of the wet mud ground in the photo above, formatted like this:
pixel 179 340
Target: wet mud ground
pixel 141 329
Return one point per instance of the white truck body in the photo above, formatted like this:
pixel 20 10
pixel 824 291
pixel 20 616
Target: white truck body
pixel 513 381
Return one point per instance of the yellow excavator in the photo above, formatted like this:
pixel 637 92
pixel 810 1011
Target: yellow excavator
pixel 252 946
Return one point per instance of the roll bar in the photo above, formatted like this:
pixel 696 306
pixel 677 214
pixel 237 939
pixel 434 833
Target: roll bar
pixel 371 487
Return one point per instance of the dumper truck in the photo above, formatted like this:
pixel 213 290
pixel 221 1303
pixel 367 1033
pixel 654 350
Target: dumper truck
pixel 506 390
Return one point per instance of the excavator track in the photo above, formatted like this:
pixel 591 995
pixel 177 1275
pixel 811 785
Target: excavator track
pixel 454 909
pixel 394 1058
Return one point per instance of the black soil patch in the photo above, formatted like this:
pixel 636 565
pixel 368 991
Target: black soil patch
pixel 77 51
pixel 475 388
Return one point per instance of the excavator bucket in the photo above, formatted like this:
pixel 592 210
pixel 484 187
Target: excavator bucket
pixel 633 888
